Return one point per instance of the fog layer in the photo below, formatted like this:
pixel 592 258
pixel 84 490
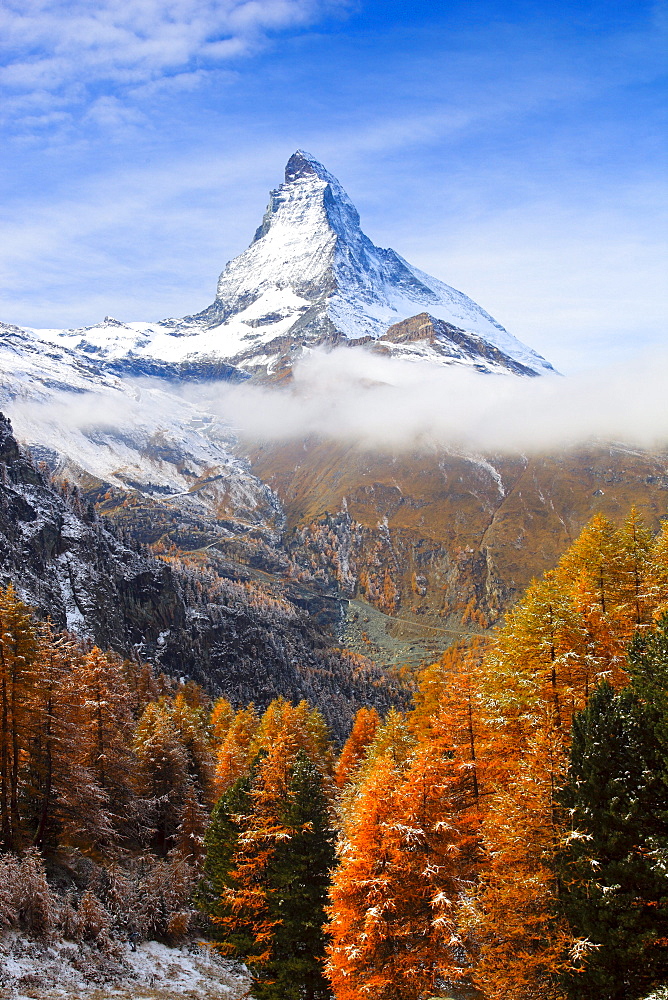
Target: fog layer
pixel 355 397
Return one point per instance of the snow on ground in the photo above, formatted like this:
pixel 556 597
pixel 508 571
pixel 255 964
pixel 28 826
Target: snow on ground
pixel 31 970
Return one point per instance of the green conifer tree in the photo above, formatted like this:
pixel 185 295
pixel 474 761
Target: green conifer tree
pixel 228 818
pixel 612 867
pixel 298 892
pixel 270 851
pixel 648 667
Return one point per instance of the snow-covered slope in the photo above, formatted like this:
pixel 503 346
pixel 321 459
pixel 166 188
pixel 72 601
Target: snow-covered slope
pixel 309 277
pixel 90 416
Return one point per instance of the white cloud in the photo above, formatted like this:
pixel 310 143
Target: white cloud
pixel 53 44
pixel 139 243
pixel 110 112
pixel 353 396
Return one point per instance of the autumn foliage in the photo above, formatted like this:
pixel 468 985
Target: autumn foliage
pixel 478 838
pixel 451 827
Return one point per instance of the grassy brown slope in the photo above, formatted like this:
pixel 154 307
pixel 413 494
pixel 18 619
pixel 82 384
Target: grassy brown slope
pixel 471 529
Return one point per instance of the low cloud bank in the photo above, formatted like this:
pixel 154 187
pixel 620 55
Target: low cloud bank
pixel 355 397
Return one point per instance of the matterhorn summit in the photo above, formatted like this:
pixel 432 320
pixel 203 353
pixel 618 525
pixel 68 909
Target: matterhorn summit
pixel 309 278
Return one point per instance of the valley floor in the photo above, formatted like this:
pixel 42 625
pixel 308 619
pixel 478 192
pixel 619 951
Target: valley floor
pixel 31 970
pixel 404 639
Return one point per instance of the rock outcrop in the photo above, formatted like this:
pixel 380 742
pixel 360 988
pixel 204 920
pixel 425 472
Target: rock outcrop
pixel 231 635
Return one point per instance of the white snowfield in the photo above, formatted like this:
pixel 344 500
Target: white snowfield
pixel 126 432
pixel 30 970
pixel 309 275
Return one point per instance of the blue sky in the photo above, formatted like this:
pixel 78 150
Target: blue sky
pixel 516 150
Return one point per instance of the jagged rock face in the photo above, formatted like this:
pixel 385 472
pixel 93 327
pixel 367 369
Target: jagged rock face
pixel 430 339
pixel 310 277
pixel 234 637
pixel 64 561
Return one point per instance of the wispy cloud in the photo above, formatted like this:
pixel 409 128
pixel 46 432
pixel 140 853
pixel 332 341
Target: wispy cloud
pixel 68 260
pixel 55 45
pixel 353 397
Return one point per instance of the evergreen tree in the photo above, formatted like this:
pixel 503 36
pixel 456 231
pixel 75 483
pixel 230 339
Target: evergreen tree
pixel 272 859
pixel 298 892
pixel 221 842
pixel 612 868
pixel 648 667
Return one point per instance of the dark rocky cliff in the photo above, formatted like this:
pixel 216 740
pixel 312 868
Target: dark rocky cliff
pixel 230 636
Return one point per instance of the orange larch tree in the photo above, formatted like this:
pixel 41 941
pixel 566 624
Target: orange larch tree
pixel 105 748
pixel 162 776
pixel 405 865
pixel 61 797
pixel 361 736
pixel 237 749
pixel 657 573
pixel 18 651
pixel 222 715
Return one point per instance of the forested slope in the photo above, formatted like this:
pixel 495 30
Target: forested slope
pixel 231 635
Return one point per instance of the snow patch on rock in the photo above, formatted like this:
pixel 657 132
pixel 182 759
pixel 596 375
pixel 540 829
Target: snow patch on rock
pixel 30 969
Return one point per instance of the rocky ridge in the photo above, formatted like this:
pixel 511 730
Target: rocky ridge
pixel 222 628
pixel 423 337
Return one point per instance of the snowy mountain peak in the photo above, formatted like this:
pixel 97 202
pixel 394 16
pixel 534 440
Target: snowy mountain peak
pixel 302 165
pixel 309 277
pixel 310 203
